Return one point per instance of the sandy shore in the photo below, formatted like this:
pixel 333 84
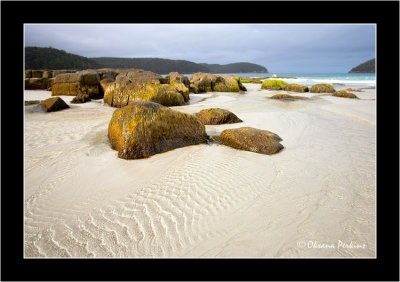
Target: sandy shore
pixel 309 200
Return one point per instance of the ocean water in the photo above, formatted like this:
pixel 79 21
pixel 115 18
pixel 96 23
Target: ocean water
pixel 367 80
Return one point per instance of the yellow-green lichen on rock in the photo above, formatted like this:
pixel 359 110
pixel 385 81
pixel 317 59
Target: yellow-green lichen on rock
pixel 274 84
pixel 252 139
pixel 142 129
pixel 322 88
pixel 344 94
pixel 217 116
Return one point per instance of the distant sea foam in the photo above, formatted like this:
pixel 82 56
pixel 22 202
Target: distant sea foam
pixel 308 79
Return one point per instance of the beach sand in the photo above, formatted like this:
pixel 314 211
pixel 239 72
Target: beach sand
pixel 206 200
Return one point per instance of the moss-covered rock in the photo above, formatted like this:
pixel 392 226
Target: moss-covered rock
pixel 179 78
pixel 80 98
pixel 296 88
pixel 252 139
pixel 72 84
pixel 241 86
pixel 36 83
pixel 217 116
pixel 53 104
pixel 142 129
pixel 124 91
pixel 250 80
pixel 344 94
pixel 274 84
pixel 181 88
pixel 287 97
pixel 206 82
pixel 322 88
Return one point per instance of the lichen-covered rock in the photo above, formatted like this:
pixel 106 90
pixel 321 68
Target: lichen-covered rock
pixel 344 94
pixel 274 84
pixel 322 88
pixel 252 139
pixel 181 88
pixel 104 83
pixel 142 129
pixel 36 83
pixel 250 80
pixel 50 83
pixel 296 88
pixel 57 72
pixel 217 116
pixel 179 78
pixel 287 97
pixel 239 81
pixel 47 74
pixel 107 73
pixel 72 84
pixel 124 91
pixel 80 98
pixel 53 104
pixel 28 73
pixel 206 82
pixel 37 73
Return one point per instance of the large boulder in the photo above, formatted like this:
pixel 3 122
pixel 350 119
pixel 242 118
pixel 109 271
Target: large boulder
pixel 72 84
pixel 181 88
pixel 50 83
pixel 36 83
pixel 53 104
pixel 201 82
pixel 80 98
pixel 47 74
pixel 179 78
pixel 296 88
pixel 28 73
pixel 140 85
pixel 252 139
pixel 142 129
pixel 57 72
pixel 104 83
pixel 107 73
pixel 274 84
pixel 217 116
pixel 37 73
pixel 287 97
pixel 322 88
pixel 344 94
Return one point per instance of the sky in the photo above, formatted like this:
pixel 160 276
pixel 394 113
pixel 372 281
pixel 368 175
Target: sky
pixel 281 48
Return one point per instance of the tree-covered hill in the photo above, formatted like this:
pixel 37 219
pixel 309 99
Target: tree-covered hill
pixel 55 59
pixel 366 67
pixel 51 58
pixel 236 68
pixel 157 65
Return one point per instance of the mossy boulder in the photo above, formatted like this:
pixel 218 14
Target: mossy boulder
pixel 80 98
pixel 252 139
pixel 206 82
pixel 36 83
pixel 296 88
pixel 181 88
pixel 104 83
pixel 53 104
pixel 274 84
pixel 287 97
pixel 37 73
pixel 322 88
pixel 144 128
pixel 179 78
pixel 241 86
pixel 72 84
pixel 250 80
pixel 217 116
pixel 344 94
pixel 125 91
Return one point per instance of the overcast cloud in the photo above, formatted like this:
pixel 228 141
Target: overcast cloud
pixel 279 48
